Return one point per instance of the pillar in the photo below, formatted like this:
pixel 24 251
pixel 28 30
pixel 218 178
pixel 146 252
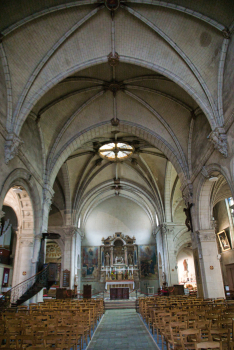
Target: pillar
pixel 78 265
pixel 48 193
pixel 69 253
pixel 102 257
pixel 23 260
pixel 111 249
pixel 135 258
pixel 169 254
pixel 126 255
pixel 207 265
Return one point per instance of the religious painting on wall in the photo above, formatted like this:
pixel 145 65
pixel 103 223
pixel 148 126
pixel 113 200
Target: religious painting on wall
pixel 223 240
pixel 148 261
pixel 90 263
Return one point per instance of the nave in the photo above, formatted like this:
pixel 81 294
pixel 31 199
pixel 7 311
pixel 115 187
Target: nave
pixel 122 329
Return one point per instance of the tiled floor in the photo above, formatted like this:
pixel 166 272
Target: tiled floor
pixel 121 330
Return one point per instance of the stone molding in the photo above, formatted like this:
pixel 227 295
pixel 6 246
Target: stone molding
pixel 167 228
pixel 26 242
pixel 48 194
pixel 206 235
pixel 113 59
pixel 70 231
pixel 12 146
pixel 219 139
pixel 205 172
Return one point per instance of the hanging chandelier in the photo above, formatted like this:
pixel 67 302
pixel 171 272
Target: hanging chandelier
pixel 116 151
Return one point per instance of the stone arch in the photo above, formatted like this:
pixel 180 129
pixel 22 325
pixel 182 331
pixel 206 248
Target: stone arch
pixel 21 177
pixel 133 128
pixel 204 195
pixel 28 206
pixel 186 252
pixel 11 200
pixel 125 59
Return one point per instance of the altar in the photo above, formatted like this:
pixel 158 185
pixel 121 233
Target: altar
pixel 119 284
pixel 119 262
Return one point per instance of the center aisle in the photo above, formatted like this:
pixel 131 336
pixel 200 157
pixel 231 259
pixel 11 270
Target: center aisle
pixel 121 330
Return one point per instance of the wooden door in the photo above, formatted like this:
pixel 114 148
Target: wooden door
pixel 125 293
pixel 230 275
pixel 113 293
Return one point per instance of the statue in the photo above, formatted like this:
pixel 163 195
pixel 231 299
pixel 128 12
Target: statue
pixel 107 259
pixel 188 221
pixel 130 260
pixel 119 260
pixel 185 265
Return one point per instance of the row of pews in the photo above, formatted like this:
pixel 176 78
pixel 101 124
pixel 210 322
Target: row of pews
pixel 187 322
pixel 57 324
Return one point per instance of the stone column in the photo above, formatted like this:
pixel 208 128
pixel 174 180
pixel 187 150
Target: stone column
pixel 78 264
pixel 111 257
pixel 48 193
pixel 23 260
pixel 135 257
pixel 102 257
pixel 126 255
pixel 69 253
pixel 208 265
pixel 169 254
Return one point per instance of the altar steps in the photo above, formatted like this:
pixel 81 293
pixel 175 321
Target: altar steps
pixel 119 304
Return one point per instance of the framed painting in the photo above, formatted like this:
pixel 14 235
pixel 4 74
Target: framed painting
pixel 90 263
pixel 148 262
pixel 223 240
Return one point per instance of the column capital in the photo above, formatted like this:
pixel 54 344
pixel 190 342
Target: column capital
pixel 207 235
pixel 26 242
pixel 48 194
pixel 12 146
pixel 218 138
pixel 167 228
pixel 70 231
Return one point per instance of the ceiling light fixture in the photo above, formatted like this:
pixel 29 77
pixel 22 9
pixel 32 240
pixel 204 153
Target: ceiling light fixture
pixel 213 179
pixel 116 151
pixel 17 189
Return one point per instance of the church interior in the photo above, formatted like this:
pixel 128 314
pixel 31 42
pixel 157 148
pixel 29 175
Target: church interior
pixel 117 151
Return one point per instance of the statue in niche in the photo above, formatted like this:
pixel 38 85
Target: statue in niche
pixel 130 260
pixel 185 274
pixel 185 265
pixel 107 259
pixel 119 260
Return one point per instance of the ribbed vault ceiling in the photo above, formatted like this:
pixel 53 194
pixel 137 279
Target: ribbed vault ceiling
pixel 163 88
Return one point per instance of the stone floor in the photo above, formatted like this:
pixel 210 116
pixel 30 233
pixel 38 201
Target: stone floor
pixel 121 330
